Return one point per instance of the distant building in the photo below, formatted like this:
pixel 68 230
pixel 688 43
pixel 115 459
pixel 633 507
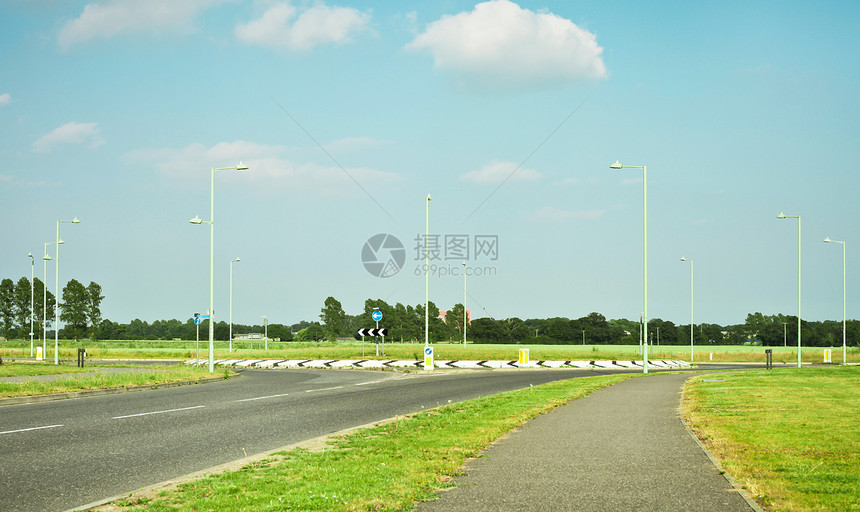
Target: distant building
pixel 444 313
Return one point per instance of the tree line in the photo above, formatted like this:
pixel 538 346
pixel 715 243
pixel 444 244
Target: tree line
pixel 406 323
pixel 80 308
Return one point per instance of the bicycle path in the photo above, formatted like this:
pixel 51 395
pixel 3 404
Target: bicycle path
pixel 623 447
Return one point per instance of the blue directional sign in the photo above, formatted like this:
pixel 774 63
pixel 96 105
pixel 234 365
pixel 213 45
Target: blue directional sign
pixel 198 319
pixel 376 315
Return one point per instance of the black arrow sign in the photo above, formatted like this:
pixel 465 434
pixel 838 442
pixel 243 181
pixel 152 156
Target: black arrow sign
pixel 373 332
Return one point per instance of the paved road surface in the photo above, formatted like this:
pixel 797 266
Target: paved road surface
pixel 621 448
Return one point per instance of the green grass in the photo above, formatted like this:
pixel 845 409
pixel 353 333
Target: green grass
pixel 163 349
pixel 30 369
pixel 383 468
pixel 148 376
pixel 791 437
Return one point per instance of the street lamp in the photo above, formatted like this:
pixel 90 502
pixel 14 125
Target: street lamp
pixel 57 293
pixel 211 222
pixel 617 166
pixel 465 316
pixel 844 345
pixel 427 272
pixel 231 303
pixel 45 260
pixel 691 305
pixel 32 275
pixel 784 216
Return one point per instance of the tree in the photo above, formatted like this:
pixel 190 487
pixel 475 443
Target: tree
pixel 93 307
pixel 454 319
pixel 334 318
pixel 75 300
pixel 7 307
pixel 21 304
pixel 313 332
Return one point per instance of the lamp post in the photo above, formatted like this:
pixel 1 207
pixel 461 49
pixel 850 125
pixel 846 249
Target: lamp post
pixel 785 334
pixel 784 216
pixel 427 272
pixel 231 303
pixel 465 315
pixel 617 165
pixel 211 222
pixel 45 260
pixel 32 276
pixel 57 293
pixel 266 332
pixel 844 345
pixel 691 305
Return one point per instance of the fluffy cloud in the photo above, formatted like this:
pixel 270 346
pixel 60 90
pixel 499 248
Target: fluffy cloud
pixel 109 18
pixel 501 43
pixel 550 214
pixel 279 27
pixel 267 165
pixel 70 133
pixel 5 99
pixel 499 172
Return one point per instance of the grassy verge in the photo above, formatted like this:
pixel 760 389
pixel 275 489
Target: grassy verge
pixel 145 349
pixel 791 437
pixel 384 468
pixel 148 376
pixel 26 370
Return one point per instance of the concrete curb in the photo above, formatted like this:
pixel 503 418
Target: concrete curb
pixel 316 444
pixel 737 487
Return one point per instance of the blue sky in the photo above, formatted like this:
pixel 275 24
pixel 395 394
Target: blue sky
pixel 509 114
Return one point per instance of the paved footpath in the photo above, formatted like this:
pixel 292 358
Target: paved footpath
pixel 623 447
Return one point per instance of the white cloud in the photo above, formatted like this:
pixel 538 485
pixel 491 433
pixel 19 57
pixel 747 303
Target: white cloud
pixel 5 99
pixel 501 43
pixel 70 133
pixel 550 214
pixel 109 18
pixel 6 178
pixel 498 172
pixel 266 164
pixel 279 27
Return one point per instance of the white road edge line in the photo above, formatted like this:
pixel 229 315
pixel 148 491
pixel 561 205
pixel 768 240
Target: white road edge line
pixel 157 412
pixel 323 389
pixel 29 429
pixel 370 382
pixel 261 397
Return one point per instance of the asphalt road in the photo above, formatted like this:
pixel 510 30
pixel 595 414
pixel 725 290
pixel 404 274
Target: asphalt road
pixel 63 454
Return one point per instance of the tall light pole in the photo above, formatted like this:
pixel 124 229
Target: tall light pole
pixel 785 334
pixel 231 303
pixel 266 332
pixel 32 276
pixel 784 216
pixel 57 293
pixel 45 260
pixel 427 272
pixel 465 316
pixel 691 305
pixel 211 222
pixel 617 165
pixel 844 345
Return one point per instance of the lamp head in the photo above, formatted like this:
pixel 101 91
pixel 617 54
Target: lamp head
pixel 428 198
pixel 30 255
pixel 780 216
pixel 61 241
pixel 237 259
pixel 75 221
pixel 241 167
pixel 47 258
pixel 828 240
pixel 616 165
pixel 196 220
pixel 684 259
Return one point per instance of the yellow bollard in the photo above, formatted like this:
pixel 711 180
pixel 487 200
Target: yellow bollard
pixel 524 357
